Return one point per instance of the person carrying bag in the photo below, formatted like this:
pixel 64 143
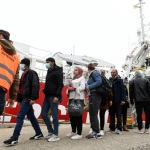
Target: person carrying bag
pixel 76 103
pixel 75 107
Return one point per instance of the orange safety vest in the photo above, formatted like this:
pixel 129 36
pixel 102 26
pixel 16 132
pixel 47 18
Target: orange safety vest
pixel 8 68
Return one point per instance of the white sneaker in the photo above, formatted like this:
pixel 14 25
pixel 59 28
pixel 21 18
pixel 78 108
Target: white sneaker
pixel 118 131
pixel 71 134
pixel 91 130
pixel 146 131
pixel 102 132
pixel 54 138
pixel 140 131
pixel 76 137
pixel 48 135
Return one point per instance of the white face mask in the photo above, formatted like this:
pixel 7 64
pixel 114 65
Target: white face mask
pixel 22 67
pixel 47 65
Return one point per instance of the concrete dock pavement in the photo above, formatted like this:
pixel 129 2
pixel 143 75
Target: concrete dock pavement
pixel 110 141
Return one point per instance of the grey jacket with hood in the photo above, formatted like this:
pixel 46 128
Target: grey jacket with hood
pixel 9 48
pixel 139 88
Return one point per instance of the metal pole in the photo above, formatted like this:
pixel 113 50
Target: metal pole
pixel 141 16
pixel 73 55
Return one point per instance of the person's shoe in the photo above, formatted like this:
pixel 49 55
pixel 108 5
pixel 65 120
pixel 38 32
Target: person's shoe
pixel 102 132
pixel 125 128
pixel 76 137
pixel 140 131
pixel 71 134
pixel 91 130
pixel 93 135
pixel 37 137
pixel 99 136
pixel 11 142
pixel 48 135
pixel 146 131
pixel 118 131
pixel 54 138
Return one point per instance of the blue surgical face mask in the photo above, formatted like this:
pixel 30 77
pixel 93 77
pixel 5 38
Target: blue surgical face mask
pixel 22 67
pixel 47 65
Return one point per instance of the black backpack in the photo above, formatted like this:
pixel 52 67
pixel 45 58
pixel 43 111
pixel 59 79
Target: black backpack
pixel 104 88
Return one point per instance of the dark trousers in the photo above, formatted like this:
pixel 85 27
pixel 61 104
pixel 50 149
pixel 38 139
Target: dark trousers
pixel 139 109
pixel 76 124
pixel 47 105
pixel 2 101
pixel 115 109
pixel 124 114
pixel 102 118
pixel 26 109
pixel 94 105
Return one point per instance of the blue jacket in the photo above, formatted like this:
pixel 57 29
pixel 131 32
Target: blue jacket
pixel 118 90
pixel 94 81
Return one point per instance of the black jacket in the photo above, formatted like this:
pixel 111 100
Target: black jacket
pixel 54 82
pixel 118 90
pixel 30 85
pixel 139 89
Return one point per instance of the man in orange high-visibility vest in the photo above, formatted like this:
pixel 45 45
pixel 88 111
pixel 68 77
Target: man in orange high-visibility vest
pixel 9 70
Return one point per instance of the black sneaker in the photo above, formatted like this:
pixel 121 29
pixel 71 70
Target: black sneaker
pixel 37 137
pixel 92 135
pixel 11 142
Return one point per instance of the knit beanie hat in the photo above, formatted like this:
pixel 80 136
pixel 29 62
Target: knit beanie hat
pixel 25 61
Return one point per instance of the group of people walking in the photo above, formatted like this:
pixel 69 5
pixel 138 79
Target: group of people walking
pixel 26 91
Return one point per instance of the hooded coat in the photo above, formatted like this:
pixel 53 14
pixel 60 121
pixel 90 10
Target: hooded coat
pixel 139 88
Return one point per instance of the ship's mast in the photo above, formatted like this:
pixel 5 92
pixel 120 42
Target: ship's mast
pixel 140 6
pixel 142 24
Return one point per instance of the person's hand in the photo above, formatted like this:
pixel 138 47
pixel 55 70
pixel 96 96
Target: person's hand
pixel 110 103
pixel 19 103
pixel 122 103
pixel 32 102
pixel 86 88
pixel 71 89
pixel 55 100
pixel 10 103
pixel 132 103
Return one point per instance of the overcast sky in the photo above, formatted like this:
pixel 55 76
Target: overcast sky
pixel 104 29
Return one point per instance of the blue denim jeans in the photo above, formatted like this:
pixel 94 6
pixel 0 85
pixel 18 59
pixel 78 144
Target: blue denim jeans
pixel 2 101
pixel 47 105
pixel 26 109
